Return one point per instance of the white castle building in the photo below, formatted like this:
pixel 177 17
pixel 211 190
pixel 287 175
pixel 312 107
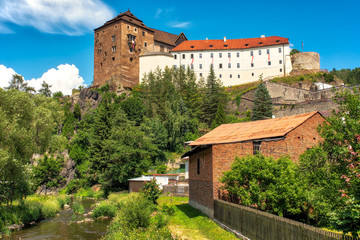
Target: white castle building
pixel 235 61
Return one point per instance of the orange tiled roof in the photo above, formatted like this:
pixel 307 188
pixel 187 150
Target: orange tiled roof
pixel 246 131
pixel 195 45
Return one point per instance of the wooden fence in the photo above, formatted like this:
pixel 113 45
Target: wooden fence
pixel 258 225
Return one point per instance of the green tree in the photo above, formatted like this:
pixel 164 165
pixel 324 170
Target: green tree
pixel 45 89
pixel 220 117
pixel 293 51
pixel 18 83
pixel 262 108
pixel 151 191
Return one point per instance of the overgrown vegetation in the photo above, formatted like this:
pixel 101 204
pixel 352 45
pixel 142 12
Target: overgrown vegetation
pixel 307 78
pixel 349 76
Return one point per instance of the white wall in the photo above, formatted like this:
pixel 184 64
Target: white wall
pixel 149 62
pixel 280 63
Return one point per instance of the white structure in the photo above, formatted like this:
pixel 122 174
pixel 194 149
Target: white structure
pixel 236 61
pixel 151 61
pixel 161 179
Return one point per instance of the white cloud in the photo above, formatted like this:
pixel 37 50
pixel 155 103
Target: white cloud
pixel 180 24
pixel 64 78
pixel 158 12
pixel 56 16
pixel 5 75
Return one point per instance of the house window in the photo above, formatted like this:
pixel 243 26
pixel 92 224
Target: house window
pixel 229 65
pixel 200 55
pixel 198 166
pixel 280 69
pixel 192 66
pixel 175 56
pixel 237 54
pixel 251 53
pixel 280 61
pixel 211 55
pixel 200 66
pixel 143 33
pixel 113 58
pixel 238 75
pixel 192 56
pixel 269 63
pixel 183 56
pixel 131 37
pixel 135 29
pixel 220 65
pixel 256 147
pixel 131 50
pixel 230 75
pixel 145 44
pixel 220 76
pixel 220 55
pixel 252 74
pixel 279 50
pixel 128 27
pixel 113 49
pixel 113 38
pixel 267 51
pixel 238 65
pixel 200 74
pixel 252 64
pixel 229 55
pixel 259 52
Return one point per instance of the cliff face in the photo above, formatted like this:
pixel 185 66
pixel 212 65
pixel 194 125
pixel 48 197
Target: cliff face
pixel 86 98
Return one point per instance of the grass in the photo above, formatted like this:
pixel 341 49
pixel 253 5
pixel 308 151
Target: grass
pixel 310 78
pixel 189 223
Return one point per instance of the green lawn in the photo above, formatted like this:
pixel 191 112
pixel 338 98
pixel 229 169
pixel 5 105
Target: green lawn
pixel 189 223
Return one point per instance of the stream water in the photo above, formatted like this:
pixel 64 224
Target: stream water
pixel 66 225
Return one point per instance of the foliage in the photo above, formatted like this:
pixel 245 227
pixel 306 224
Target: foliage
pixel 74 186
pixel 267 184
pixel 46 173
pixel 105 209
pixel 351 77
pixel 18 83
pixel 161 169
pixel 151 191
pixel 45 89
pixel 293 51
pixel 220 117
pixel 78 208
pixel 134 109
pixel 58 94
pixel 262 108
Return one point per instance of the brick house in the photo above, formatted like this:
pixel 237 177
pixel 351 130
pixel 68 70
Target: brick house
pixel 120 42
pixel 213 153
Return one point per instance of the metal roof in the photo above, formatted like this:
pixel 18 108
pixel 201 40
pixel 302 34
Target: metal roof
pixel 246 131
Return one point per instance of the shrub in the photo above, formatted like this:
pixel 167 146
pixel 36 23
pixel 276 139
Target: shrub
pixel 78 208
pixel 62 200
pixel 32 212
pixel 50 208
pixel 161 169
pixel 105 209
pixel 74 186
pixel 151 191
pixel 167 209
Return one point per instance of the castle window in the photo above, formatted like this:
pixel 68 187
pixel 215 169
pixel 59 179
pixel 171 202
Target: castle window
pixel 237 54
pixel 267 51
pixel 251 53
pixel 277 41
pixel 220 76
pixel 128 27
pixel 131 37
pixel 113 38
pixel 211 55
pixel 280 69
pixel 183 66
pixel 230 75
pixel 269 63
pixel 145 44
pixel 135 29
pixel 143 33
pixel 113 49
pixel 192 66
pixel 131 50
pixel 280 61
pixel 246 44
pixel 200 66
pixel 183 56
pixel 238 65
pixel 200 55
pixel 256 147
pixel 220 55
pixel 97 34
pixel 113 58
pixel 200 74
pixel 259 52
pixel 220 65
pixel 175 56
pixel 210 45
pixel 252 74
pixel 229 65
pixel 192 56
pixel 238 75
pixel 225 45
pixel 100 64
pixel 252 64
pixel 229 55
pixel 279 50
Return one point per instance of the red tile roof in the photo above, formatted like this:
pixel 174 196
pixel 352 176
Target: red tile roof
pixel 195 45
pixel 246 131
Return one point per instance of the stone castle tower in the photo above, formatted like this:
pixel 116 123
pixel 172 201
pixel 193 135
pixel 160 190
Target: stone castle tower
pixel 118 45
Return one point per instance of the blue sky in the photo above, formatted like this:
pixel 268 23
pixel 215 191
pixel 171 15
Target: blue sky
pixel 53 40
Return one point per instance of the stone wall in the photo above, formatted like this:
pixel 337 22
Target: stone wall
pixel 305 61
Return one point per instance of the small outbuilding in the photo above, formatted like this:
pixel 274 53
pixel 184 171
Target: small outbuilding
pixel 213 153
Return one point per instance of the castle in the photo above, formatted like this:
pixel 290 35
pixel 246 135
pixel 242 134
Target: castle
pixel 118 45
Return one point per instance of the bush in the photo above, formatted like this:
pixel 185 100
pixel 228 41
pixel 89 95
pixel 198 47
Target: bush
pixel 161 169
pixel 78 208
pixel 151 191
pixel 62 200
pixel 75 185
pixel 105 209
pixel 167 209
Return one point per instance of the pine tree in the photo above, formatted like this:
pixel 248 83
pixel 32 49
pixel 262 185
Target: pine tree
pixel 262 108
pixel 45 89
pixel 220 117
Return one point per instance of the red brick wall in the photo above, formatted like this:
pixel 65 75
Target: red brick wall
pixel 135 186
pixel 200 185
pixel 223 155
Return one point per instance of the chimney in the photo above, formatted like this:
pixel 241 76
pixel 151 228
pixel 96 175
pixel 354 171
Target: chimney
pixel 224 39
pixel 206 39
pixel 262 36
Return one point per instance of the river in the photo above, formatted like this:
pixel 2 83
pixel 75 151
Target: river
pixel 66 225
